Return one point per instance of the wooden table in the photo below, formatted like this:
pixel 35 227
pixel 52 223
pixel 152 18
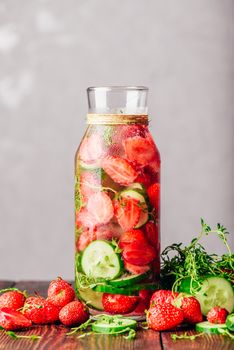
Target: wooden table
pixel 54 336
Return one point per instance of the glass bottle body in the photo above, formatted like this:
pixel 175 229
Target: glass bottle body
pixel 117 214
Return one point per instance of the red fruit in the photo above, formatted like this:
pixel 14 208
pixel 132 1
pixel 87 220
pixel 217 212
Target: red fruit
pixel 40 311
pixel 86 237
pixel 144 300
pixel 120 170
pixel 13 300
pixel 163 297
pixel 143 178
pixel 88 185
pixel 85 219
pixel 217 315
pixel 164 317
pixel 91 148
pixel 154 195
pixel 152 233
pixel 132 236
pixel 191 309
pixel 139 255
pixel 100 207
pixel 118 303
pixel 134 269
pixel 127 212
pixel 60 293
pixel 125 131
pixel 73 314
pixel 109 231
pixel 140 150
pixel 11 319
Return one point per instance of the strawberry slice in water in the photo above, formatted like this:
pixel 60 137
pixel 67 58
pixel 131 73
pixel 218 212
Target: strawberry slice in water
pixel 127 212
pixel 86 237
pixel 136 270
pixel 100 207
pixel 138 255
pixel 89 185
pixel 140 150
pixel 132 237
pixel 120 170
pixel 91 148
pixel 85 219
pixel 154 195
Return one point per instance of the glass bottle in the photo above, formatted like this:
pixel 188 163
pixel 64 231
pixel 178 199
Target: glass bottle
pixel 117 204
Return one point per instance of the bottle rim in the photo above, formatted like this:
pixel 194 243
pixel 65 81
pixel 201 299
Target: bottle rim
pixel 118 88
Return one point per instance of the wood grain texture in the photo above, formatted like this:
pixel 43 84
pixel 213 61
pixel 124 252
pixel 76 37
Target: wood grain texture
pixel 204 342
pixel 53 337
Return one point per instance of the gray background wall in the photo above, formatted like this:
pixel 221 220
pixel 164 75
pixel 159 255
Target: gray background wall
pixel 50 51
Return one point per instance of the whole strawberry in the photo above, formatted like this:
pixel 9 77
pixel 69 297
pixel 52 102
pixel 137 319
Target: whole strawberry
pixel 73 314
pixel 191 309
pixel 40 311
pixel 118 303
pixel 164 316
pixel 13 300
pixel 60 293
pixel 11 319
pixel 217 315
pixel 163 296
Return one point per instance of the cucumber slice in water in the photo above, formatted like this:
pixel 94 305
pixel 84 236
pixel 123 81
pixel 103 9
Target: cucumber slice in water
pixel 230 322
pixel 99 260
pixel 131 290
pixel 138 195
pixel 128 280
pixel 91 298
pixel 208 327
pixel 215 291
pixel 112 325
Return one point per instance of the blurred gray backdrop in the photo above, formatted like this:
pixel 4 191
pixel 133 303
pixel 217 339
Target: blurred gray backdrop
pixel 50 51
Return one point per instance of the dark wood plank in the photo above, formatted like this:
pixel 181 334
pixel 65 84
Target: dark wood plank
pixel 6 284
pixel 204 342
pixel 54 337
pixel 33 286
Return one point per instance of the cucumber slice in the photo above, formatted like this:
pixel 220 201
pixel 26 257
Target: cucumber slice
pixel 99 260
pixel 207 327
pixel 131 290
pixel 138 195
pixel 89 166
pixel 128 280
pixel 91 298
pixel 215 291
pixel 230 322
pixel 112 325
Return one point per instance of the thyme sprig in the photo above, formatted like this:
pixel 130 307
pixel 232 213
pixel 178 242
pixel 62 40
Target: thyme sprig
pixel 15 336
pixel 194 262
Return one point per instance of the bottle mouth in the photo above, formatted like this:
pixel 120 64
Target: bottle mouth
pixel 117 88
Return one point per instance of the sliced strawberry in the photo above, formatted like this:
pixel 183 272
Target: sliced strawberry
pixel 134 269
pixel 122 132
pixel 109 231
pixel 127 212
pixel 85 238
pixel 132 236
pixel 89 185
pixel 100 207
pixel 85 219
pixel 140 150
pixel 11 319
pixel 120 170
pixel 91 148
pixel 154 195
pixel 152 233
pixel 138 255
pixel 118 303
pixel 143 178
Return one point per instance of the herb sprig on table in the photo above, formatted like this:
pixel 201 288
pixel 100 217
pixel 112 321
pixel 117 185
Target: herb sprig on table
pixel 193 261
